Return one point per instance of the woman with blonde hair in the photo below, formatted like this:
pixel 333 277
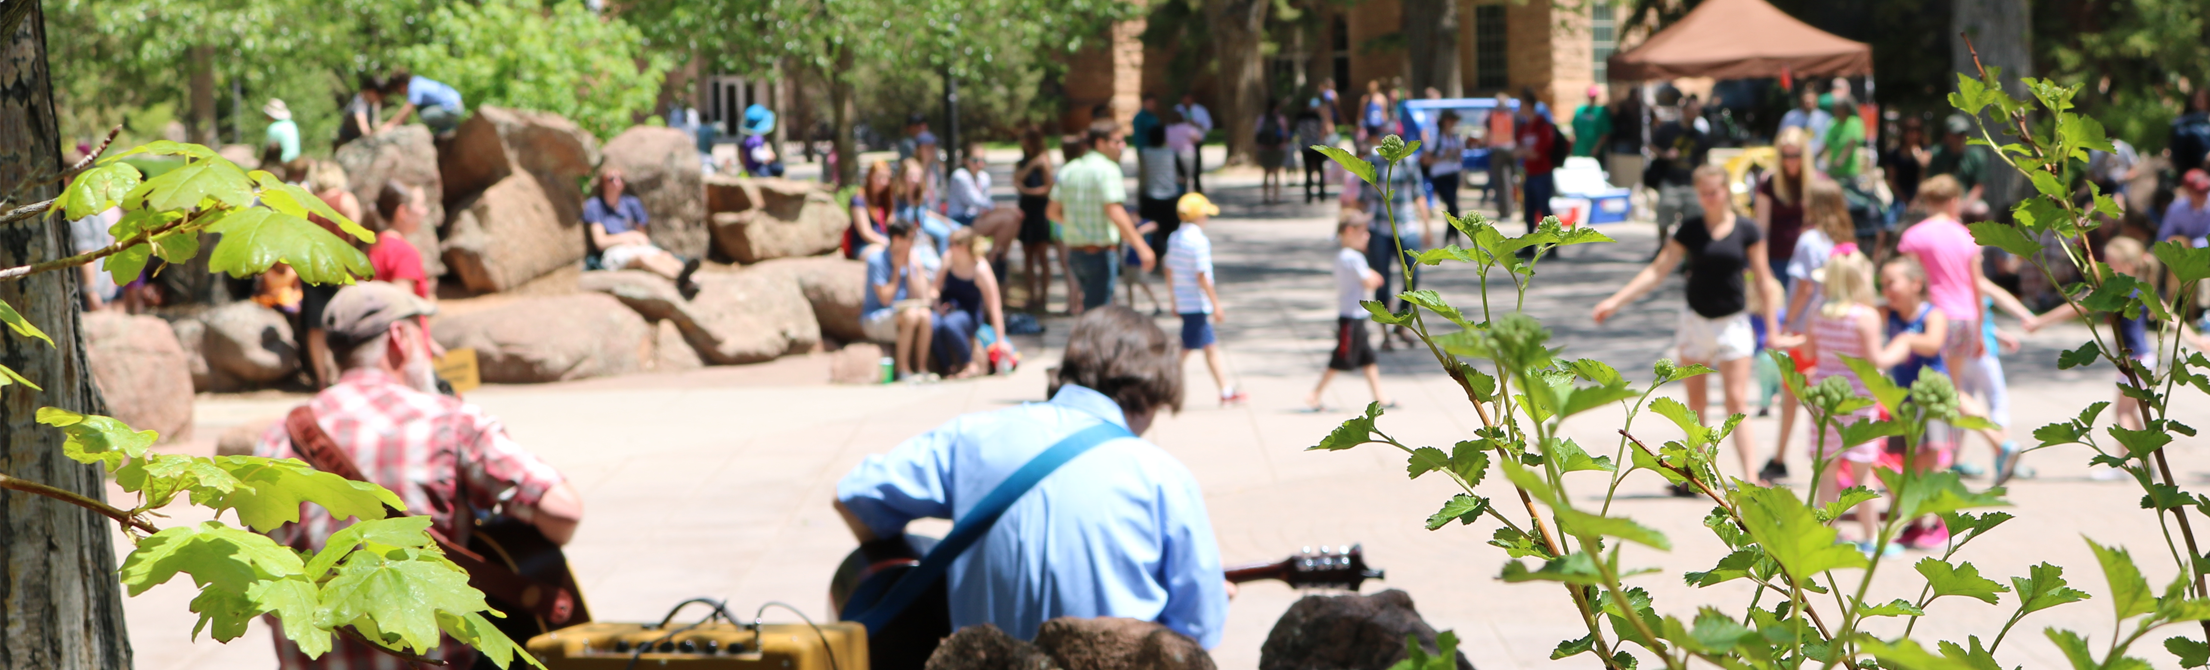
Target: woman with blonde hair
pixel 967 301
pixel 871 208
pixel 1848 324
pixel 1778 206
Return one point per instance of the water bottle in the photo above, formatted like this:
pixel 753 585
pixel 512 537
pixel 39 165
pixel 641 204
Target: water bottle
pixel 889 370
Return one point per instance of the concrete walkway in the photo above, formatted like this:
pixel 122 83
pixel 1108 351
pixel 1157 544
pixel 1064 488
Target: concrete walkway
pixel 717 482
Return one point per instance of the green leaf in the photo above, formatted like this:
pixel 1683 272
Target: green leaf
pixel 1970 422
pixel 2046 183
pixel 1667 371
pixel 223 613
pixel 1734 566
pixel 2140 443
pixel 1852 497
pixel 1970 96
pixel 1579 523
pixel 2191 653
pixel 1791 533
pixel 296 201
pixel 298 608
pixel 1683 417
pixel 2129 591
pixel 1349 161
pixel 1517 544
pixel 98 189
pixel 2006 236
pixel 96 439
pixel 2044 588
pixel 177 246
pixel 126 265
pixel 401 592
pixel 1570 458
pixel 160 477
pixel 1574 647
pixel 1896 607
pixel 212 553
pixel 1470 460
pixel 1906 654
pixel 1355 431
pixel 1463 508
pixel 2075 649
pixel 1962 579
pixel 1449 253
pixel 475 631
pixel 1591 397
pixel 1923 493
pixel 2162 497
pixel 9 376
pixel 1574 568
pixel 1383 316
pixel 2042 215
pixel 2190 263
pixel 22 326
pixel 167 148
pixel 1528 480
pixel 405 531
pixel 1434 303
pixel 255 239
pixel 270 491
pixel 2082 131
pixel 1883 390
pixel 184 188
pixel 1425 460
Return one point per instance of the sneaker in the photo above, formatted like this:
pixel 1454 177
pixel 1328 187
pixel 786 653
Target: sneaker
pixel 1931 538
pixel 2006 463
pixel 1893 550
pixel 1233 398
pixel 1910 535
pixel 1969 470
pixel 1773 472
pixel 2104 473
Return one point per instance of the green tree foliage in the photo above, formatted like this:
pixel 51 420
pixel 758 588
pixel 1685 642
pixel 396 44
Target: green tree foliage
pixel 1810 606
pixel 560 58
pixel 381 580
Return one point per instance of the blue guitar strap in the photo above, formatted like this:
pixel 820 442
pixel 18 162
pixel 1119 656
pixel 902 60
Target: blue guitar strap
pixel 978 521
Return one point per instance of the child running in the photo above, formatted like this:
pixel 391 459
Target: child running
pixel 1847 325
pixel 1188 269
pixel 1826 224
pixel 1916 333
pixel 1354 279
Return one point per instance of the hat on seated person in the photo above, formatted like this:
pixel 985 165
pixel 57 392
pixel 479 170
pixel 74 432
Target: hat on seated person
pixel 360 312
pixel 1193 204
pixel 2196 180
pixel 758 120
pixel 1959 124
pixel 276 109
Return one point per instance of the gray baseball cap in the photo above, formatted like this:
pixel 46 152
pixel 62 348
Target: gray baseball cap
pixel 362 311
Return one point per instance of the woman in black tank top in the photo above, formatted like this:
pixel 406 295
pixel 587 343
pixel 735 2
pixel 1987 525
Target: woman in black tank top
pixel 1033 180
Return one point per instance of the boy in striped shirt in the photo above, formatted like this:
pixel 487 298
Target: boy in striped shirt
pixel 1189 275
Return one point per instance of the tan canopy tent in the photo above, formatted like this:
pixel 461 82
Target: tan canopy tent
pixel 1741 39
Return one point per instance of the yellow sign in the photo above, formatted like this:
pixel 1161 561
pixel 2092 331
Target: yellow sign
pixel 458 367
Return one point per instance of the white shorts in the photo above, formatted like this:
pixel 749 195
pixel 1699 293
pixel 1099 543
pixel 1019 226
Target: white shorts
pixel 1702 340
pixel 626 256
pixel 1963 338
pixel 880 326
pixel 1983 377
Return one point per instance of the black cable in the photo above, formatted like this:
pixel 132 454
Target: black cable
pixel 825 646
pixel 721 610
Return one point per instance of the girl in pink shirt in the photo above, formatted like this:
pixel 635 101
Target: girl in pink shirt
pixel 1945 248
pixel 1847 325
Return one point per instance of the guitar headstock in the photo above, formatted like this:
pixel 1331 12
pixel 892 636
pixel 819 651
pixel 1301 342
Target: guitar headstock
pixel 1329 568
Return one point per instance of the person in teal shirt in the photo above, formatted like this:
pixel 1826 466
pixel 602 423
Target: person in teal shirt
pixel 283 134
pixel 1842 139
pixel 1591 125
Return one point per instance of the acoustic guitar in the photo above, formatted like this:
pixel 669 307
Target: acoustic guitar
pixel 906 642
pixel 521 573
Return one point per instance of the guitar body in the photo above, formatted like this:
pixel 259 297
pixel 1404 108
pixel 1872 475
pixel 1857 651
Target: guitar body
pixel 538 563
pixel 867 574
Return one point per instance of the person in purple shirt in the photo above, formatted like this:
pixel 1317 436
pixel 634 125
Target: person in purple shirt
pixel 2188 222
pixel 617 222
pixel 1121 531
pixel 439 105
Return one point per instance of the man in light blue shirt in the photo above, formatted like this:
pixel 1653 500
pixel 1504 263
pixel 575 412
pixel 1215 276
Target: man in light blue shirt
pixel 1120 531
pixel 438 104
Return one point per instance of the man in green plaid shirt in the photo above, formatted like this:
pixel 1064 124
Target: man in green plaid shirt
pixel 1088 202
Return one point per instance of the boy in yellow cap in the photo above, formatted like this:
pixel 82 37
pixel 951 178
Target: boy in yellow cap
pixel 1188 268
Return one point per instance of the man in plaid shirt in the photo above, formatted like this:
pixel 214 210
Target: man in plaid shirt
pixel 428 448
pixel 1089 200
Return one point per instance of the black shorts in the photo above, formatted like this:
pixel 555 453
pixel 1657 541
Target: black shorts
pixel 1162 211
pixel 1352 350
pixel 312 298
pixel 1035 226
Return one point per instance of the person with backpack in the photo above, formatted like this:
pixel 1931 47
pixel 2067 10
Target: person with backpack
pixel 1542 149
pixel 1273 150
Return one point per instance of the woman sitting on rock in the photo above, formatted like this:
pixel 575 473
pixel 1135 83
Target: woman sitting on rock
pixel 617 223
pixel 967 291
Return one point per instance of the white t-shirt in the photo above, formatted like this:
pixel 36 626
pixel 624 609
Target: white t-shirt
pixel 1350 283
pixel 1188 254
pixel 1812 251
pixel 1155 166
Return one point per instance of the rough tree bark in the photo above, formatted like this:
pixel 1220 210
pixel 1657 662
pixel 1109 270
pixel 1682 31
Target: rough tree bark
pixel 2002 30
pixel 1238 31
pixel 201 117
pixel 60 604
pixel 841 117
pixel 1431 44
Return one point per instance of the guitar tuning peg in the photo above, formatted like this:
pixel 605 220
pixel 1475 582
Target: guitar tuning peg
pixel 1307 550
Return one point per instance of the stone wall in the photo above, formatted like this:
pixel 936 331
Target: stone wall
pixel 1109 71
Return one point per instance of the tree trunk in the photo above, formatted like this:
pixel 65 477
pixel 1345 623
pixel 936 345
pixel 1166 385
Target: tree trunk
pixel 60 604
pixel 840 116
pixel 2002 31
pixel 1431 44
pixel 1238 28
pixel 200 119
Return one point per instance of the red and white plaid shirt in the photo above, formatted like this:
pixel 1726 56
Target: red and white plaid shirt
pixel 419 445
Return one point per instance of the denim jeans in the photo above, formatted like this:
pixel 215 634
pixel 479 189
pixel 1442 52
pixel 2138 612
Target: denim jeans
pixel 1097 272
pixel 1537 191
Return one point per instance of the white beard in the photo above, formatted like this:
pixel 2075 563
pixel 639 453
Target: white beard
pixel 420 375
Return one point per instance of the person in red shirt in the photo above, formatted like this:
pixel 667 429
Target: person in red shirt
pixel 1534 136
pixel 392 257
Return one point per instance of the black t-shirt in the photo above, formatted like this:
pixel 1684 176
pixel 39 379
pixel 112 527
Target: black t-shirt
pixel 1904 167
pixel 1715 286
pixel 1693 144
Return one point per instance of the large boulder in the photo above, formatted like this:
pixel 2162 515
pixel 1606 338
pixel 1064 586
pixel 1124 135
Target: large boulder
pixel 247 345
pixel 760 219
pixel 1348 631
pixel 857 363
pixel 550 338
pixel 510 234
pixel 1111 643
pixel 497 142
pixel 661 167
pixel 141 370
pixel 672 352
pixel 407 155
pixel 746 317
pixel 247 157
pixel 984 647
pixel 834 287
pixel 191 335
